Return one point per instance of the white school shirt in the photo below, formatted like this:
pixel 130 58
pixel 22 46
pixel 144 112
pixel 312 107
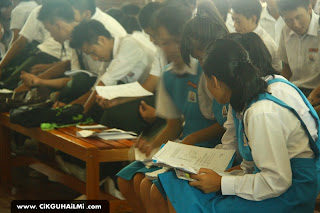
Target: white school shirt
pixel 272 47
pixel 316 8
pixel 302 54
pixel 20 13
pixel 115 29
pixel 275 136
pixel 165 107
pixel 131 62
pixel 271 25
pixel 159 62
pixel 33 30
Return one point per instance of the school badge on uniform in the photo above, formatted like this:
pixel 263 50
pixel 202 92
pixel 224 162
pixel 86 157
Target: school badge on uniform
pixel 224 111
pixel 192 97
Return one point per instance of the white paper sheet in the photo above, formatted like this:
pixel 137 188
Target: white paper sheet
pixel 74 72
pixel 97 126
pixel 192 158
pixel 122 90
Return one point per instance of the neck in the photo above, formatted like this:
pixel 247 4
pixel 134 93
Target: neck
pixel 70 28
pixel 273 12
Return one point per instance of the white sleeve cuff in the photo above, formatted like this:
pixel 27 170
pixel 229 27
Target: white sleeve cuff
pixel 227 185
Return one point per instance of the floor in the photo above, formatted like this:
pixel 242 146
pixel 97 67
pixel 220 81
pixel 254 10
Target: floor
pixel 31 185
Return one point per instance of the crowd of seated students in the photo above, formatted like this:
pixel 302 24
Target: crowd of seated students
pixel 239 74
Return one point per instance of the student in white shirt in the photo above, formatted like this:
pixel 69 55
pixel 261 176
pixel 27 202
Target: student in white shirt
pixel 271 21
pixel 276 131
pixel 148 37
pixel 19 16
pixel 316 6
pixel 2 46
pixel 246 16
pixel 49 50
pixel 299 44
pixel 60 24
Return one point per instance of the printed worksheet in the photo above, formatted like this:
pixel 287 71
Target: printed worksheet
pixel 192 158
pixel 123 90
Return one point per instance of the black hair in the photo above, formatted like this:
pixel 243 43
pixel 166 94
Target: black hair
pixel 88 32
pixel 145 14
pixel 228 61
pixel 258 52
pixel 204 28
pixel 247 8
pixel 291 5
pixel 173 18
pixel 223 7
pixel 56 9
pixel 83 5
pixel 130 9
pixel 129 23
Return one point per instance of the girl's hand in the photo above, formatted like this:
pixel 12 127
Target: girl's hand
pixel 207 181
pixel 144 146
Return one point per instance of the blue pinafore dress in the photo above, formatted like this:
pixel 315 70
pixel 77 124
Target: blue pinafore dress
pixel 300 197
pixel 183 90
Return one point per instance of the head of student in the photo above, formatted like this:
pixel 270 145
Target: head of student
pixel 169 22
pixel 246 15
pixel 231 77
pixel 199 32
pixel 145 17
pixel 83 9
pixel 296 14
pixel 257 50
pixel 57 17
pixel 93 39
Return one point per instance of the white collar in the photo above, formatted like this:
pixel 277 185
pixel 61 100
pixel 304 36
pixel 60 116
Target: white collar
pixel 96 15
pixel 192 69
pixel 266 15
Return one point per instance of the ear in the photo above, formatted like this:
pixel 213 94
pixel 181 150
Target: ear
pixel 102 40
pixel 77 16
pixel 86 15
pixel 214 82
pixel 254 19
pixel 310 9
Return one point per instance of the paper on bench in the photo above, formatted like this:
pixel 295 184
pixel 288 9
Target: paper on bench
pixel 106 133
pixel 6 91
pixel 123 90
pixel 192 158
pixel 96 126
pixel 117 136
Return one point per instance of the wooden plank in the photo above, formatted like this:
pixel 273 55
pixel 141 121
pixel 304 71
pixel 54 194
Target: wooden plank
pixel 113 155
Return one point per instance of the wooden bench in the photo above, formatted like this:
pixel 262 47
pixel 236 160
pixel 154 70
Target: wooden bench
pixel 91 151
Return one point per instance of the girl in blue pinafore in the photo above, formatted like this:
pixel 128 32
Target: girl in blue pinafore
pixel 178 100
pixel 276 131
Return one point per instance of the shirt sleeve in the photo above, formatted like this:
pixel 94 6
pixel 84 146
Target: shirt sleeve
pixel 282 49
pixel 165 107
pixel 229 138
pixel 270 154
pixel 131 61
pixel 18 18
pixel 33 28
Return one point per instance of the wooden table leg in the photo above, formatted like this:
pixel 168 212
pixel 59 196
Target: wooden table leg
pixel 92 178
pixel 5 156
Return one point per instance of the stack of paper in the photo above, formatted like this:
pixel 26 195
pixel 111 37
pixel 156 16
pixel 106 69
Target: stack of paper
pixel 154 175
pixel 122 90
pixel 191 158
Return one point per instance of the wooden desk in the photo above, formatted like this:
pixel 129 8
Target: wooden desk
pixel 91 151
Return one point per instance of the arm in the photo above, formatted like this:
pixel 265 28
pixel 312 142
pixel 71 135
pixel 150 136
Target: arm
pixel 286 71
pixel 15 35
pixel 56 71
pixel 314 96
pixel 171 132
pixel 14 50
pixel 32 80
pixel 213 131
